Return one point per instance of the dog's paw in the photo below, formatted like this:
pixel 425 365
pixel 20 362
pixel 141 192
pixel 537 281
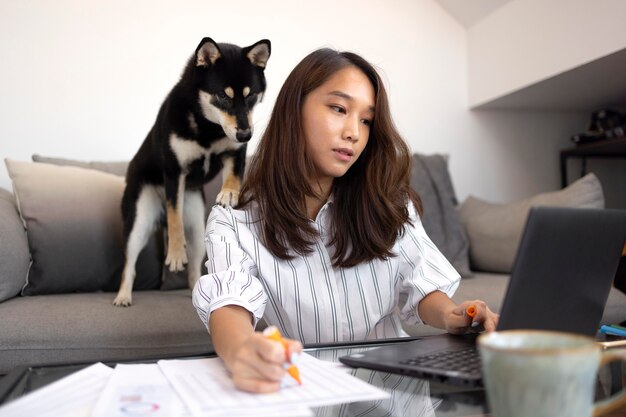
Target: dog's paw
pixel 123 301
pixel 227 198
pixel 176 260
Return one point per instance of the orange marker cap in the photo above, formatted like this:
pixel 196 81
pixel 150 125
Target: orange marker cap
pixel 471 311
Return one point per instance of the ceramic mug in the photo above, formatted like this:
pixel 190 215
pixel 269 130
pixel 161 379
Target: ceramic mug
pixel 543 373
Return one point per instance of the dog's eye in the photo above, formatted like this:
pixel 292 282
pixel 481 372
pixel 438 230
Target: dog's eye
pixel 251 99
pixel 222 95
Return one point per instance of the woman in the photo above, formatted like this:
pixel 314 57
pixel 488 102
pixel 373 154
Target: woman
pixel 327 234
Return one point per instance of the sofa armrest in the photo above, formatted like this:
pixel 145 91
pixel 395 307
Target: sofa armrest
pixel 14 252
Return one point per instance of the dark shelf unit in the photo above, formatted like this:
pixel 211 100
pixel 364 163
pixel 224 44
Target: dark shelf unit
pixel 607 148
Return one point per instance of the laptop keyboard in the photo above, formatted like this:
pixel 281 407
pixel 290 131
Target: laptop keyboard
pixel 465 361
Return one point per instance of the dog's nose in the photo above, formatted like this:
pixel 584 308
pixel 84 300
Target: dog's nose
pixel 244 135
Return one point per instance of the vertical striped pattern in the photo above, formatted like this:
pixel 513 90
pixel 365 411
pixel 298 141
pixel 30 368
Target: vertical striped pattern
pixel 306 297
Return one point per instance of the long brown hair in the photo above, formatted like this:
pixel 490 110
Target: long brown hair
pixel 370 200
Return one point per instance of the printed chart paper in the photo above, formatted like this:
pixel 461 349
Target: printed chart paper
pixel 139 390
pixel 74 395
pixel 207 389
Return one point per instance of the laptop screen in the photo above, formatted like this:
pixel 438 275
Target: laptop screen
pixel 564 269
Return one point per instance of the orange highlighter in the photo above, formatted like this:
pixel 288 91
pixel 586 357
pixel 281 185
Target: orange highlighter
pixel 471 313
pixel 272 333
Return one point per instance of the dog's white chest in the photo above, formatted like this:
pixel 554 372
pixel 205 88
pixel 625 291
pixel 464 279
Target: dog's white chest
pixel 224 145
pixel 187 151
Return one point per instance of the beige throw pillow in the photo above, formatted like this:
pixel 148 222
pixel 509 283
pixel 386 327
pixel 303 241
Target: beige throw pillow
pixel 14 255
pixel 74 228
pixel 495 230
pixel 152 256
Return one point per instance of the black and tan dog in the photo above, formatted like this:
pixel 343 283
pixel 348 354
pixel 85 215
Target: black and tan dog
pixel 202 127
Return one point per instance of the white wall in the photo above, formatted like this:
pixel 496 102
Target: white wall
pixel 527 41
pixel 84 79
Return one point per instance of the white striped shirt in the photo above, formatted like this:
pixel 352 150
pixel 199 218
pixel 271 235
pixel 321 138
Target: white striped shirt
pixel 306 297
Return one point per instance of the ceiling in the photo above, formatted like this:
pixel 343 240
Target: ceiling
pixel 592 86
pixel 468 12
pixel 597 84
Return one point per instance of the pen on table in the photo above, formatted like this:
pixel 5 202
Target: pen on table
pixel 610 344
pixel 272 333
pixel 612 330
pixel 617 326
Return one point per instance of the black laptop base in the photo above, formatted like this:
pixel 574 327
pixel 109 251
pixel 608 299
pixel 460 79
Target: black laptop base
pixel 397 359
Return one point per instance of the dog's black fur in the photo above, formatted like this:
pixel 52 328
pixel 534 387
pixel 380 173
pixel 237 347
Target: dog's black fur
pixel 202 127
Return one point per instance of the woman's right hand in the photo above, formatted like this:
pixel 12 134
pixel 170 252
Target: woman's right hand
pixel 257 363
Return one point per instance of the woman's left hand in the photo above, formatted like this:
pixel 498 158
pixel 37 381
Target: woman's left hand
pixel 459 322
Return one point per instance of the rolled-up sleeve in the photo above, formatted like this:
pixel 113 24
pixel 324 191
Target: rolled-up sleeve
pixel 423 269
pixel 231 277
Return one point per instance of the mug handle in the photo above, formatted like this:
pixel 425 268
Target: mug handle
pixel 615 400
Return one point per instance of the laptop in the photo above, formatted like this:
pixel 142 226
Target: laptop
pixel 561 278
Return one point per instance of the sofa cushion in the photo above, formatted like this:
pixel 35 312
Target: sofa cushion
pixel 153 252
pixel 87 328
pixel 495 230
pixel 14 255
pixel 211 188
pixel 112 167
pixel 74 228
pixel 431 179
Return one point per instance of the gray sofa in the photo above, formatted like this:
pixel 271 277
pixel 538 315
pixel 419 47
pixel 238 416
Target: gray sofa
pixel 79 323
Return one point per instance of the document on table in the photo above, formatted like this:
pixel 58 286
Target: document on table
pixel 74 395
pixel 140 389
pixel 207 389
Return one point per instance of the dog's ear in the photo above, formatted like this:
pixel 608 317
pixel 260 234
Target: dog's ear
pixel 259 53
pixel 207 53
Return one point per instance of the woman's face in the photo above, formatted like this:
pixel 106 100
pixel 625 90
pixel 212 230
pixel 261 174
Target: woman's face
pixel 337 117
